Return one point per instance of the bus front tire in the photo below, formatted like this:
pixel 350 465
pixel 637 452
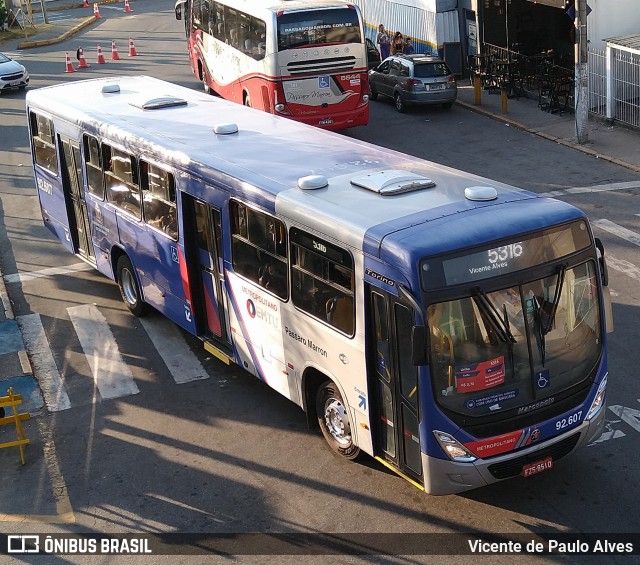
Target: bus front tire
pixel 333 420
pixel 129 288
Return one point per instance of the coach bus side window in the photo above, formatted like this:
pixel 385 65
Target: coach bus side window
pixel 121 179
pixel 259 248
pixel 159 198
pixel 93 166
pixel 44 146
pixel 322 280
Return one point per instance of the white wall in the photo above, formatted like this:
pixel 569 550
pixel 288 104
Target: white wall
pixel 611 18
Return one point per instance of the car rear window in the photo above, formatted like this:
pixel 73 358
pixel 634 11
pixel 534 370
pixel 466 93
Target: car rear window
pixel 429 70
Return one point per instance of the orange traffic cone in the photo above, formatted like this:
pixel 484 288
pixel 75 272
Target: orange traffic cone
pixel 101 60
pixel 115 56
pixel 96 11
pixel 132 48
pixel 69 65
pixel 83 62
pixel 127 8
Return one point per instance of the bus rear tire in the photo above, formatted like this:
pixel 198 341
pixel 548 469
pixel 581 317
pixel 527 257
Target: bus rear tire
pixel 247 100
pixel 333 420
pixel 129 288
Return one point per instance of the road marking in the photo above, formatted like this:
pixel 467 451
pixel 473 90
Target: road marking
pixel 44 365
pixel 111 375
pixel 594 188
pixel 629 415
pixel 624 267
pixel 178 357
pixel 24 277
pixel 615 229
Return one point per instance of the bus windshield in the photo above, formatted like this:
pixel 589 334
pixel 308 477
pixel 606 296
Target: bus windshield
pixel 318 27
pixel 514 347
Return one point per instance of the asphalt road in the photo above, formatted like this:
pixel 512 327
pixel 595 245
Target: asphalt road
pixel 227 454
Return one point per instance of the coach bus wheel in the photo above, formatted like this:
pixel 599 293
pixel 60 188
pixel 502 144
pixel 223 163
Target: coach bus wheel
pixel 129 289
pixel 247 100
pixel 334 420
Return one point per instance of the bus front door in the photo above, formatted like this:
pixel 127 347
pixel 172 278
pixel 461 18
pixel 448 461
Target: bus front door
pixel 203 229
pixel 394 385
pixel 73 186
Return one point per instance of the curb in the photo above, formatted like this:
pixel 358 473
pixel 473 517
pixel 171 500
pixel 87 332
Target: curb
pixel 29 44
pixel 549 137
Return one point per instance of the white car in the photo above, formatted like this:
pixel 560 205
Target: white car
pixel 12 74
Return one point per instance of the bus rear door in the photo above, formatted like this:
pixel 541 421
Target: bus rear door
pixel 203 243
pixel 73 188
pixel 393 385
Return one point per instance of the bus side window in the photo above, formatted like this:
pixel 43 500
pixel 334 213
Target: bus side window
pixel 44 146
pixel 159 198
pixel 121 179
pixel 257 251
pixel 93 166
pixel 322 280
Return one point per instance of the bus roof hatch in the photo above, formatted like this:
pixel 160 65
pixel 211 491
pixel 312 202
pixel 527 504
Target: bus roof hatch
pixel 390 182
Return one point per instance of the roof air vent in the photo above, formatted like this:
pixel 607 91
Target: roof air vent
pixel 312 182
pixel 225 129
pixel 390 182
pixel 158 103
pixel 111 88
pixel 480 193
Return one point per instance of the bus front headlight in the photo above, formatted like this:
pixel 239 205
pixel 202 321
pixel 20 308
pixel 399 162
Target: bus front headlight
pixel 453 448
pixel 598 401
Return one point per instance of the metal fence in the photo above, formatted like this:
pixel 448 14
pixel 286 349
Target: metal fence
pixel 597 65
pixel 614 93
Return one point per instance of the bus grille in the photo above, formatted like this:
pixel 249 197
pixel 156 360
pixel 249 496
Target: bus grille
pixel 336 64
pixel 513 467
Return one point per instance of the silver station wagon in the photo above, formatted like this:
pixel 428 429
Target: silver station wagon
pixel 413 79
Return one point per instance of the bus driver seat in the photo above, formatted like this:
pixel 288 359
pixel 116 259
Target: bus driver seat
pixel 340 313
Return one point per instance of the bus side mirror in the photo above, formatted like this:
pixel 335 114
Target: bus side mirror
pixel 606 294
pixel 602 263
pixel 419 345
pixel 178 9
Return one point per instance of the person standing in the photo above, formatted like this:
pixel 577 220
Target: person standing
pixel 397 44
pixel 408 47
pixel 384 42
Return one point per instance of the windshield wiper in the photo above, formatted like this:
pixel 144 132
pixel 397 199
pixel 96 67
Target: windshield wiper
pixel 547 310
pixel 546 313
pixel 500 324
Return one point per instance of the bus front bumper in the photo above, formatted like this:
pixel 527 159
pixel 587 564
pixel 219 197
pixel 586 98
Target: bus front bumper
pixel 443 476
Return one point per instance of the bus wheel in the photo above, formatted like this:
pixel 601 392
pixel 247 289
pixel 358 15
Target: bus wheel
pixel 334 420
pixel 129 289
pixel 247 100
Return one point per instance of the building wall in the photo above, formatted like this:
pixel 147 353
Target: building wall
pixel 611 18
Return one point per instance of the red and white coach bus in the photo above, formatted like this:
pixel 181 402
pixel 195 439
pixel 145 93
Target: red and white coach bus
pixel 303 60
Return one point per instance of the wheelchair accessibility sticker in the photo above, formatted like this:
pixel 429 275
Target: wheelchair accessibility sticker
pixel 174 254
pixel 324 81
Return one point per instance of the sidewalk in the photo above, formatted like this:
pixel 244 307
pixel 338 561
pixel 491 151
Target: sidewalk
pixel 613 143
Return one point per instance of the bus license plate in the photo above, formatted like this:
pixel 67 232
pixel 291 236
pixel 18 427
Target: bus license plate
pixel 325 122
pixel 537 467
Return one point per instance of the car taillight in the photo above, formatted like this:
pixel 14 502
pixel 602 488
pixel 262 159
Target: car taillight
pixel 414 84
pixel 452 79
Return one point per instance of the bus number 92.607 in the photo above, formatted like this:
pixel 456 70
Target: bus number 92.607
pixel 573 419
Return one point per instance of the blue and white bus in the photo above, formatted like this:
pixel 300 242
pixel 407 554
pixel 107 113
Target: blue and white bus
pixel 450 326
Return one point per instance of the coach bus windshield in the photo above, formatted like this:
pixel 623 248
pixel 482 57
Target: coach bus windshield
pixel 318 27
pixel 515 347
